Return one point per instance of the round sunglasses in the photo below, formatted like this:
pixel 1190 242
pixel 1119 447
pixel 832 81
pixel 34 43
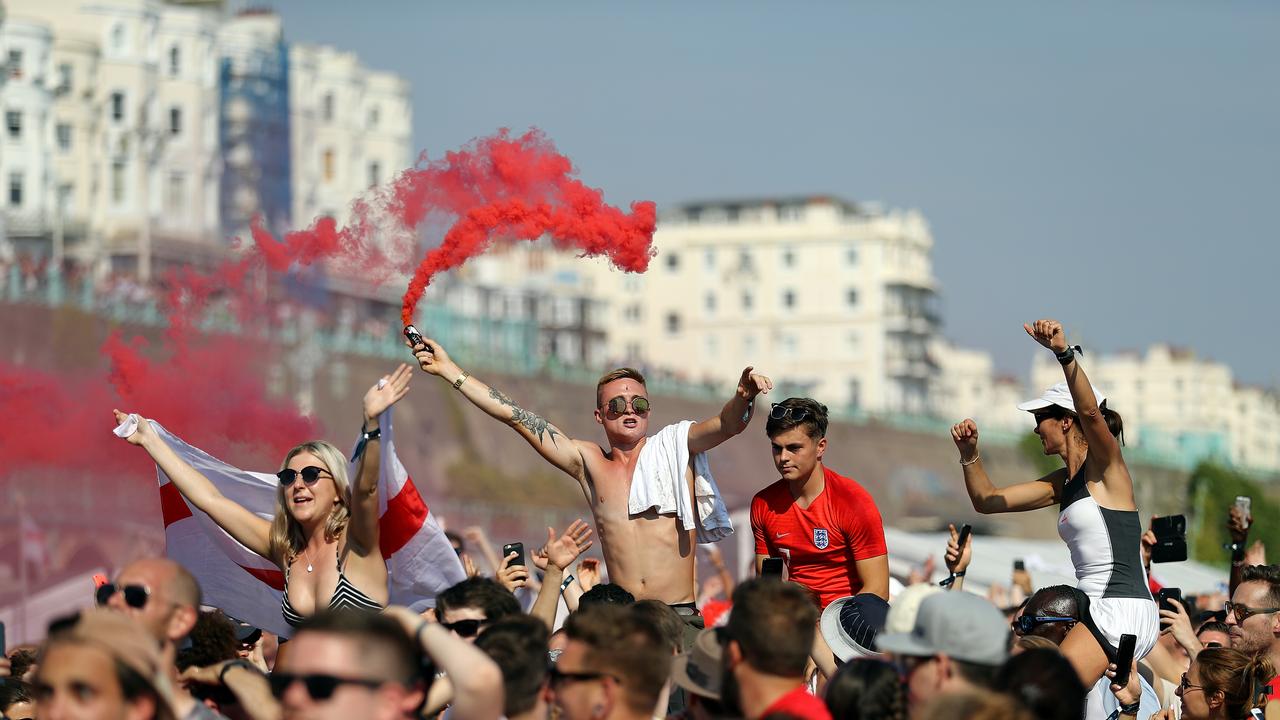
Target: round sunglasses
pixel 310 474
pixel 639 405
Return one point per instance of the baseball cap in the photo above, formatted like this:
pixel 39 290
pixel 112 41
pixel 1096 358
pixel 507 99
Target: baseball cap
pixel 1059 395
pixel 698 669
pixel 902 614
pixel 126 642
pixel 850 625
pixel 958 624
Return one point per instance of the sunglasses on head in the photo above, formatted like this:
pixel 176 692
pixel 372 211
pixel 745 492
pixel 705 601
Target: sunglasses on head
pixel 1028 623
pixel 319 687
pixel 639 405
pixel 135 596
pixel 310 474
pixel 782 412
pixel 464 628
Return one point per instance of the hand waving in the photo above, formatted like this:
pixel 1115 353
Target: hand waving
pixel 1048 333
pixel 562 551
pixel 752 384
pixel 387 392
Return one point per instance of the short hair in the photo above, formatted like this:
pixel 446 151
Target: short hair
pixel 21 659
pixel 486 594
pixel 212 640
pixel 805 412
pixel 1057 599
pixel 1045 683
pixel 866 688
pixel 14 691
pixel 773 622
pixel 622 373
pixel 518 644
pixel 606 594
pixel 983 676
pixel 372 632
pixel 1269 574
pixel 1214 626
pixel 665 619
pixel 622 643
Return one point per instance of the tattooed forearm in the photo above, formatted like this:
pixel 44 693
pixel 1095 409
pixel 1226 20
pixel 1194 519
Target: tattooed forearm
pixel 531 421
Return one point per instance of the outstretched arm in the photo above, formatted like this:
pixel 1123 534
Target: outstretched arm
pixel 364 496
pixel 735 416
pixel 1103 446
pixel 248 529
pixel 552 444
pixel 985 496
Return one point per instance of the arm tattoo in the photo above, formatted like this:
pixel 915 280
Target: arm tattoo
pixel 531 421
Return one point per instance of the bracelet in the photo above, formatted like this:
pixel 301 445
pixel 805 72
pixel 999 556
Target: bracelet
pixel 457 384
pixel 976 458
pixel 1066 356
pixel 238 662
pixel 365 437
pixel 568 580
pixel 951 579
pixel 1131 709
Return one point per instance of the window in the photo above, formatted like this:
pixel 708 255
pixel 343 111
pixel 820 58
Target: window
pixel 855 393
pixel 63 135
pixel 15 64
pixel 175 198
pixel 326 107
pixel 710 302
pixel 64 79
pixel 117 181
pixel 327 163
pixel 673 323
pixel 66 191
pixel 632 312
pixel 13 121
pixel 375 115
pixel 15 189
pixel 375 174
pixel 747 300
pixel 851 256
pixel 713 347
pixel 117 106
pixel 709 258
pixel 789 345
pixel 175 61
pixel 851 297
pixel 788 257
pixel 788 298
pixel 175 121
pixel 117 38
pixel 673 262
pixel 744 260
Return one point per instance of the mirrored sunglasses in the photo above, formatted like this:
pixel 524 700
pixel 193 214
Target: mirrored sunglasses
pixel 639 405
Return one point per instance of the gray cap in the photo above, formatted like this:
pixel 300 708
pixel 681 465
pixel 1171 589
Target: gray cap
pixel 959 625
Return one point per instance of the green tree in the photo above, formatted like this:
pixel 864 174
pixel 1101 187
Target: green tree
pixel 1033 450
pixel 1211 492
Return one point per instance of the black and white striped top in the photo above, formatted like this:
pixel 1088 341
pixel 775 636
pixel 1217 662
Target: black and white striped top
pixel 345 597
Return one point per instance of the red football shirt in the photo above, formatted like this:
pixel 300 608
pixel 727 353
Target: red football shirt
pixel 821 543
pixel 799 704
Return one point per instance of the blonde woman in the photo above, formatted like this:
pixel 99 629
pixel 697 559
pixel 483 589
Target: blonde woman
pixel 325 532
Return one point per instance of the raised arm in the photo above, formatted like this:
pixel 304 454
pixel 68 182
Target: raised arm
pixel 1103 446
pixel 550 442
pixel 985 496
pixel 248 529
pixel 364 496
pixel 559 553
pixel 734 417
pixel 476 679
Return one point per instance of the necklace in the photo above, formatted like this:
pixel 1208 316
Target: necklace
pixel 308 556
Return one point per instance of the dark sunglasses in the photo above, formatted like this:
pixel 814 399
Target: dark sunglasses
pixel 639 405
pixel 1028 623
pixel 1243 612
pixel 782 412
pixel 310 474
pixel 464 628
pixel 135 596
pixel 556 678
pixel 319 687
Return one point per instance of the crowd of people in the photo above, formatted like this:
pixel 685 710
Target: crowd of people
pixel 820 630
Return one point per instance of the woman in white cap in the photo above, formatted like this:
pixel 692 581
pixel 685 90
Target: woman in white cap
pixel 1097 516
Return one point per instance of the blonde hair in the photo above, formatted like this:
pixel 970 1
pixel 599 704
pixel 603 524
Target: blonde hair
pixel 286 539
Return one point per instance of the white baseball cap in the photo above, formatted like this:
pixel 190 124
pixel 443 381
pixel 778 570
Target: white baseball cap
pixel 1059 395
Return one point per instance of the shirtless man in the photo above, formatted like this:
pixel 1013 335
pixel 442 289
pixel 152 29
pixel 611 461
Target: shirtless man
pixel 648 554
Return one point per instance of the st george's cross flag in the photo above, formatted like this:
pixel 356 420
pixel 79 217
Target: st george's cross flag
pixel 420 560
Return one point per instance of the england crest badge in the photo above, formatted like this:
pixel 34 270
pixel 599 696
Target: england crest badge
pixel 820 538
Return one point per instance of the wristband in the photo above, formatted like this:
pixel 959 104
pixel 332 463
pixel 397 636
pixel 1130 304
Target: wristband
pixel 1066 356
pixel 457 384
pixel 1131 709
pixel 951 579
pixel 365 437
pixel 568 580
pixel 238 662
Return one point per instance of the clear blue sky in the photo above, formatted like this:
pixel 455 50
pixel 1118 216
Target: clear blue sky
pixel 1105 163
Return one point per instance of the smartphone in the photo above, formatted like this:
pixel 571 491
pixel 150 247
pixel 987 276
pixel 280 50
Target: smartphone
pixel 517 548
pixel 1163 597
pixel 965 531
pixel 1171 539
pixel 1244 504
pixel 3 647
pixel 1124 658
pixel 771 567
pixel 1019 565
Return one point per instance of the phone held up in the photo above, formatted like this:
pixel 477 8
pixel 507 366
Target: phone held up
pixel 518 549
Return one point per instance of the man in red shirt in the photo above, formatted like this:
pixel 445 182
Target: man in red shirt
pixel 824 526
pixel 766 647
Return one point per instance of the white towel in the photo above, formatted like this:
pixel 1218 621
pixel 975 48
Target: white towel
pixel 659 482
